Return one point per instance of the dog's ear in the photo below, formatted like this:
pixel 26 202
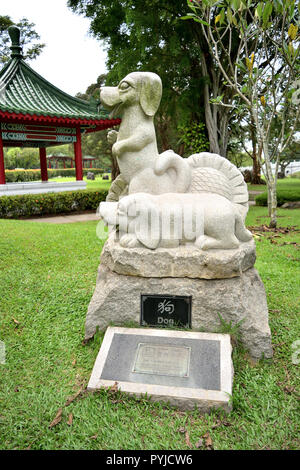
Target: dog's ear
pixel 148 229
pixel 151 92
pixel 148 242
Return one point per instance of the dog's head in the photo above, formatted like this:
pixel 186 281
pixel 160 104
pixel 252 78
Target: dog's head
pixel 144 88
pixel 138 214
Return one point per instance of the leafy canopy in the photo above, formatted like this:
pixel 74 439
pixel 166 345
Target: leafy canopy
pixel 29 39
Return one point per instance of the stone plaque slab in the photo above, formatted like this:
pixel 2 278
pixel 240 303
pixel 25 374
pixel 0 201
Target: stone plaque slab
pixel 186 369
pixel 166 310
pixel 157 359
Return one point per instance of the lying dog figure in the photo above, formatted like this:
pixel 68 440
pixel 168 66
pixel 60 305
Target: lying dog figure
pixel 136 100
pixel 208 220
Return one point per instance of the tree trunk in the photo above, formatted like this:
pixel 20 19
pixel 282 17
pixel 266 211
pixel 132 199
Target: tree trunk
pixel 211 122
pixel 162 128
pixel 271 184
pixel 273 205
pixel 180 149
pixel 115 170
pixel 223 115
pixel 256 176
pixel 256 170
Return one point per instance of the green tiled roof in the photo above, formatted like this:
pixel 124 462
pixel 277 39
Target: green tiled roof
pixel 24 91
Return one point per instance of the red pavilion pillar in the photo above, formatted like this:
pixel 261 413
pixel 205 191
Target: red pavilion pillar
pixel 2 168
pixel 78 156
pixel 43 162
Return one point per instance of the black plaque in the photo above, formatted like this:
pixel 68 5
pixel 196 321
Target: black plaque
pixel 170 311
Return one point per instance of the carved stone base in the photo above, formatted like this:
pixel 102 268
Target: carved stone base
pixel 183 261
pixel 116 300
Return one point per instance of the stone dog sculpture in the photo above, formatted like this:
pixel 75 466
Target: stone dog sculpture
pixel 211 183
pixel 136 99
pixel 213 221
pixel 177 229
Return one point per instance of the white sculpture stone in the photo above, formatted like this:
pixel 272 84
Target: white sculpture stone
pixel 216 196
pixel 209 220
pixel 182 262
pixel 136 99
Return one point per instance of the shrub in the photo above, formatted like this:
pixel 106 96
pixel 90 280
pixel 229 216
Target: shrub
pixel 15 176
pixel 282 197
pixel 28 205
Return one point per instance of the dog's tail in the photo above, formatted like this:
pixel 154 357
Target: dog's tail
pixel 242 234
pixel 215 174
pixel 118 188
pixel 170 160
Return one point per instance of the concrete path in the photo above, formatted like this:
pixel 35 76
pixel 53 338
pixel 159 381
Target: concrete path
pixel 255 192
pixel 65 219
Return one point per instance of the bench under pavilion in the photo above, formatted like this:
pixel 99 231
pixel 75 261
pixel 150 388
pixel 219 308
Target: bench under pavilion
pixel 34 113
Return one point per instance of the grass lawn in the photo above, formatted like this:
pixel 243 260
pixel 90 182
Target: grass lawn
pixel 282 184
pixel 47 278
pixel 96 184
pixel 286 183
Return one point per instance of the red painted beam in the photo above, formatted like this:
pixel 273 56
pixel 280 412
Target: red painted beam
pixel 43 162
pixel 2 168
pixel 72 122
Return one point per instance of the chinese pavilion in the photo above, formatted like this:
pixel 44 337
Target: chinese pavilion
pixel 34 113
pixel 57 158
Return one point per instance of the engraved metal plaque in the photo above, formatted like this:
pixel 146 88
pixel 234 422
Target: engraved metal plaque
pixel 166 310
pixel 159 359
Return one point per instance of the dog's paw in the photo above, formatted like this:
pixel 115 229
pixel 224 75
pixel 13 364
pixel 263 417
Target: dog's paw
pixel 112 137
pixel 116 149
pixel 129 240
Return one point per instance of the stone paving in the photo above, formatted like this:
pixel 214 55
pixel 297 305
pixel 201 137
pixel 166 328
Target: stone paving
pixel 66 219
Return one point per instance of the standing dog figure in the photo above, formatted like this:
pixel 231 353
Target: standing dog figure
pixel 136 100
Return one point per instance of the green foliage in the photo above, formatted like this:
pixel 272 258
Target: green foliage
pixel 237 157
pixel 282 197
pixel 31 205
pixel 17 157
pixel 194 137
pixel 93 89
pixel 93 144
pixel 232 329
pixel 96 145
pixel 263 74
pixel 32 48
pixel 146 35
pixel 18 176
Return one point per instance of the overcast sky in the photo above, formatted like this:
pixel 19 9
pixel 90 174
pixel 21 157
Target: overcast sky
pixel 71 60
